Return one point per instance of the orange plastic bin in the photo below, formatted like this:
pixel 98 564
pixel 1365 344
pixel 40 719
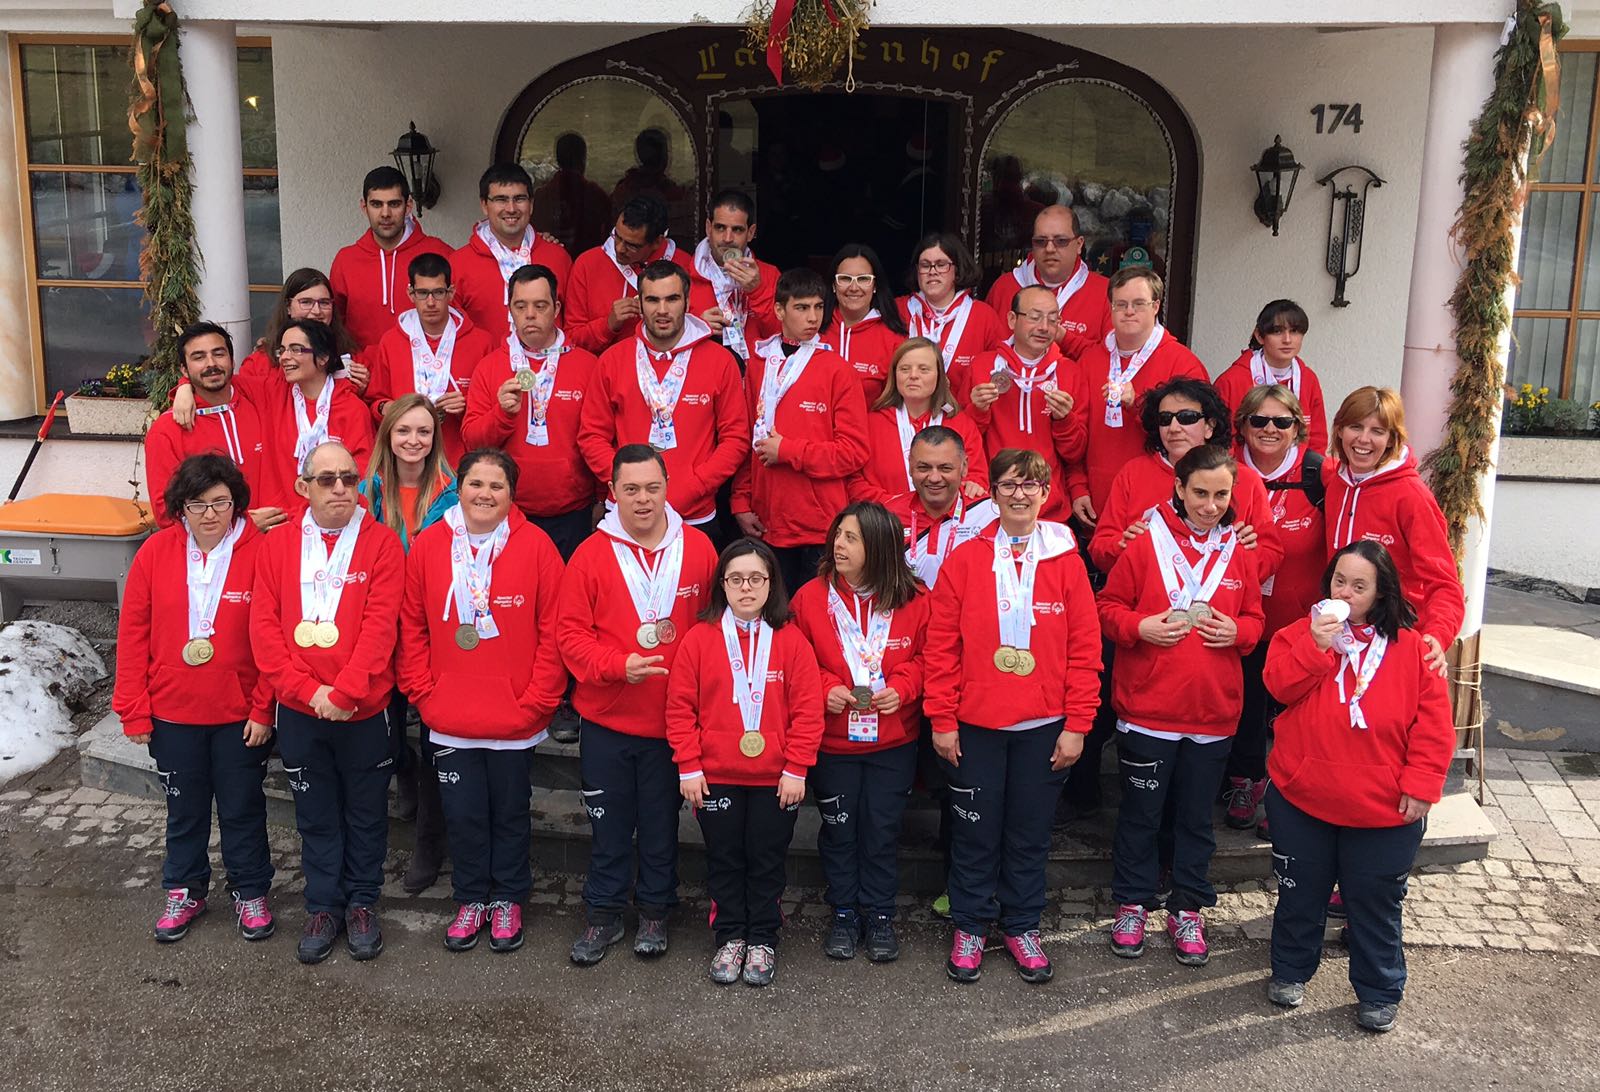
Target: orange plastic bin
pixel 68 546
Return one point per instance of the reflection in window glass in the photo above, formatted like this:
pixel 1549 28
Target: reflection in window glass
pixel 262 235
pixel 1550 240
pixel 88 331
pixel 75 104
pixel 1538 347
pixel 597 143
pixel 1088 145
pixel 1566 158
pixel 1586 363
pixel 84 228
pixel 258 125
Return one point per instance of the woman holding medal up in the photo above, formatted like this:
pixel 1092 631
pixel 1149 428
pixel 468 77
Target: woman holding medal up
pixel 1182 604
pixel 1012 663
pixel 866 620
pixel 187 686
pixel 478 659
pixel 744 717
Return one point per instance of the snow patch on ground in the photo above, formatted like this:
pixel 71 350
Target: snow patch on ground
pixel 44 670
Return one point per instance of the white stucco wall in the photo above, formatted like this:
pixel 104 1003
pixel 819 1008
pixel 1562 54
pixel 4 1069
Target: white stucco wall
pixel 1526 539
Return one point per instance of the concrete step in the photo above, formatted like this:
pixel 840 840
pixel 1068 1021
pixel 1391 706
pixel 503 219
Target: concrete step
pixel 1541 672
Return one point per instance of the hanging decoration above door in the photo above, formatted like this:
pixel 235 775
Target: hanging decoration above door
pixel 809 38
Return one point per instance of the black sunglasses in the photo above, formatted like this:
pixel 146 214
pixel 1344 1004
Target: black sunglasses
pixel 1183 417
pixel 1259 420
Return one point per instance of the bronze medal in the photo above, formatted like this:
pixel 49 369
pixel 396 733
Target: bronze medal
pixel 666 632
pixel 198 651
pixel 1005 658
pixel 1001 379
pixel 646 635
pixel 305 633
pixel 1025 663
pixel 467 637
pixel 861 697
pixel 325 635
pixel 751 744
pixel 526 379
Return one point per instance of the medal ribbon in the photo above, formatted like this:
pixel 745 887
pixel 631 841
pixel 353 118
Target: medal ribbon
pixel 1362 669
pixel 945 328
pixel 652 589
pixel 322 575
pixel 470 574
pixel 1122 374
pixel 749 679
pixel 544 382
pixel 863 652
pixel 1027 276
pixel 1262 374
pixel 205 575
pixel 629 274
pixel 309 433
pixel 730 298
pixel 780 374
pixel 1027 376
pixel 660 395
pixel 1014 591
pixel 430 371
pixel 509 260
pixel 1187 583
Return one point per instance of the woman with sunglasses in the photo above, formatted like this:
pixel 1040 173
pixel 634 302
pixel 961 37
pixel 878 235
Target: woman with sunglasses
pixel 860 321
pixel 188 687
pixel 1012 662
pixel 1273 358
pixel 307 294
pixel 916 396
pixel 943 309
pixel 744 721
pixel 1182 605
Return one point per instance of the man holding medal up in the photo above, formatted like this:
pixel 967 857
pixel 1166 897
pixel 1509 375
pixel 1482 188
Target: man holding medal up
pixel 322 623
pixel 732 289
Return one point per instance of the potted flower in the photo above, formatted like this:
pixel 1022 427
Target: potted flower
pixel 117 405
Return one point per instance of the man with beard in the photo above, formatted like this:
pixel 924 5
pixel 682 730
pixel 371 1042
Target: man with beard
pixel 368 277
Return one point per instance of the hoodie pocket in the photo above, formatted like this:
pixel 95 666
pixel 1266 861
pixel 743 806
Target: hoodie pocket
pixel 475 707
pixel 1351 794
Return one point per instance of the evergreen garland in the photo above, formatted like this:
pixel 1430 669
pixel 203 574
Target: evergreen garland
pixel 1516 125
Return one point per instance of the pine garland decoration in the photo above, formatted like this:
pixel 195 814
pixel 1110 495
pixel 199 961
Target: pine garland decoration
pixel 1515 127
pixel 158 115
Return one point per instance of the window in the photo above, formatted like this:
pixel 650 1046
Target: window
pixel 83 201
pixel 1556 326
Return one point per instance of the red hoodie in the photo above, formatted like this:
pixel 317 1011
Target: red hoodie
pixel 1110 448
pixel 867 347
pixel 1297 582
pixel 481 288
pixel 1235 382
pixel 1018 420
pixel 369 283
pixel 236 433
pixel 153 627
pixel 713 433
pixel 823 422
pixel 597 627
pixel 554 479
pixel 963 683
pixel 507 687
pixel 349 422
pixel 980 335
pixel 703 722
pixel 1188 687
pixel 1148 480
pixel 1344 775
pixel 1085 317
pixel 1393 506
pixel 596 283
pixel 886 472
pixel 902 666
pixel 393 374
pixel 761 317
pixel 360 668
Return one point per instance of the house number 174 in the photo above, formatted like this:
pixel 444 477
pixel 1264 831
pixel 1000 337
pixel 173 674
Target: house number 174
pixel 1331 115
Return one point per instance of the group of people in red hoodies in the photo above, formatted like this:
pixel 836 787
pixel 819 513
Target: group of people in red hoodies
pixel 1007 541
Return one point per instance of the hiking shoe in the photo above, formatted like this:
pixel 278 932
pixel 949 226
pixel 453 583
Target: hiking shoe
pixel 966 957
pixel 176 916
pixel 1378 1016
pixel 841 940
pixel 462 935
pixel 1287 994
pixel 760 964
pixel 255 917
pixel 363 938
pixel 882 945
pixel 1032 964
pixel 426 861
pixel 505 926
pixel 564 725
pixel 728 963
pixel 590 947
pixel 1244 800
pixel 1264 829
pixel 1336 905
pixel 1127 931
pixel 650 939
pixel 316 941
pixel 1188 932
pixel 941 906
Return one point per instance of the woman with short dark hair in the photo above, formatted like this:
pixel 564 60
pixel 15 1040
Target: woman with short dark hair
pixel 1273 358
pixel 943 309
pixel 188 687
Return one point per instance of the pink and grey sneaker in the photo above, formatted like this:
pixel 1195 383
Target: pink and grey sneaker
pixel 1244 800
pixel 1127 931
pixel 255 917
pixel 462 934
pixel 179 912
pixel 1032 964
pixel 966 957
pixel 505 926
pixel 1188 932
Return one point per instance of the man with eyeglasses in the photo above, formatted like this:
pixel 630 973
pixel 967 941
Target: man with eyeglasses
pixel 602 300
pixel 367 277
pixel 223 423
pixel 731 289
pixel 323 620
pixel 502 243
pixel 432 351
pixel 1056 262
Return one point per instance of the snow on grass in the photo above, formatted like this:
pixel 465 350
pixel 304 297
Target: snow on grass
pixel 44 669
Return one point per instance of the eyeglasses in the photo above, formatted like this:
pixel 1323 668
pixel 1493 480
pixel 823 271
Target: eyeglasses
pixel 199 508
pixel 845 280
pixel 313 304
pixel 294 350
pixel 943 265
pixel 619 243
pixel 1183 417
pixel 1260 420
pixel 753 581
pixel 1038 316
pixel 328 479
pixel 1060 242
pixel 1132 305
pixel 1012 488
pixel 431 293
pixel 505 200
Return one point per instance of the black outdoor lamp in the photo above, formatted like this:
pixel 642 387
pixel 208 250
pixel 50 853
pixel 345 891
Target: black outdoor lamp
pixel 1274 188
pixel 413 157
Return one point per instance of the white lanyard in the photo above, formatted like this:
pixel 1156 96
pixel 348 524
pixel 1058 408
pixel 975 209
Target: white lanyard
pixel 927 552
pixel 1027 276
pixel 902 422
pixel 779 374
pixel 230 429
pixel 323 575
pixel 205 575
pixel 430 370
pixel 863 652
pixel 1277 499
pixel 1014 592
pixel 1263 374
pixel 627 271
pixel 1362 668
pixel 471 573
pixel 730 298
pixel 509 260
pixel 1121 375
pixel 945 328
pixel 661 396
pixel 1187 583
pixel 544 383
pixel 1027 377
pixel 309 433
pixel 749 680
pixel 652 589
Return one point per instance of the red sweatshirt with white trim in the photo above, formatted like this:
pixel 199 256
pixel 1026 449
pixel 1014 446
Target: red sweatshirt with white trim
pixel 1023 421
pixel 369 283
pixel 393 374
pixel 886 472
pixel 349 422
pixel 1347 776
pixel 982 335
pixel 1297 583
pixel 1085 320
pixel 761 319
pixel 237 434
pixel 481 289
pixel 1235 382
pixel 867 347
pixel 595 284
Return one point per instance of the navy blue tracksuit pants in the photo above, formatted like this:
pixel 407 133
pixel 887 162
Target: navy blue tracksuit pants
pixel 1157 773
pixel 1371 866
pixel 199 763
pixel 484 794
pixel 861 799
pixel 339 771
pixel 747 834
pixel 630 786
pixel 1002 800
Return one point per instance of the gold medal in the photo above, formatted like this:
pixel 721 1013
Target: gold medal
pixel 526 379
pixel 751 744
pixel 325 635
pixel 467 637
pixel 1025 663
pixel 198 651
pixel 305 633
pixel 1005 658
pixel 646 636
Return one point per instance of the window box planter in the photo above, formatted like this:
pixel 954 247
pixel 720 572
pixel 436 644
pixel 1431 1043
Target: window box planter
pixel 1550 458
pixel 101 416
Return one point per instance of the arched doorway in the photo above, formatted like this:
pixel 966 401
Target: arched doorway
pixel 969 132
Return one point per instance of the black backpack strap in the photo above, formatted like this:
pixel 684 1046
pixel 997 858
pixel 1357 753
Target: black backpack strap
pixel 1309 482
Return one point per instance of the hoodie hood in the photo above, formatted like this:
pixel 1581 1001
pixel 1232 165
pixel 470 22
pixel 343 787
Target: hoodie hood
pixel 611 524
